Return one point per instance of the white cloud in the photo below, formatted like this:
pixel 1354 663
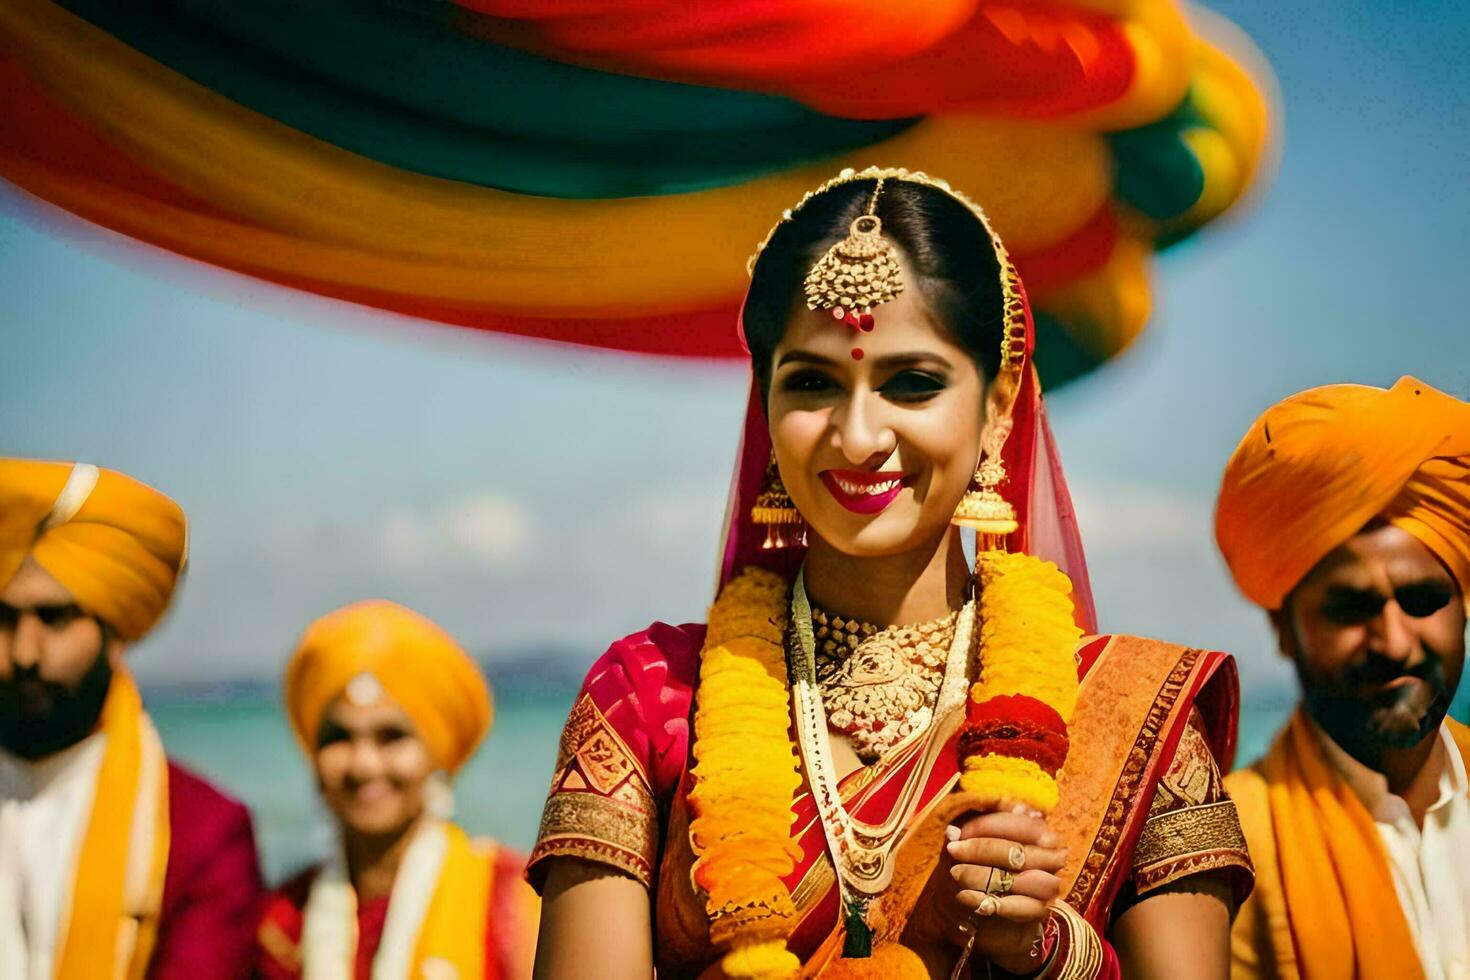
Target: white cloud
pixel 493 529
pixel 682 520
pixel 405 539
pixel 1123 516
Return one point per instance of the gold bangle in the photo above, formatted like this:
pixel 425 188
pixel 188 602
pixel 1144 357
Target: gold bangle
pixel 1078 944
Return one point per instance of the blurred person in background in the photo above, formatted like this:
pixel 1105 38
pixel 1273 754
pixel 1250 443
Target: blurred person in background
pixel 1345 513
pixel 114 861
pixel 387 707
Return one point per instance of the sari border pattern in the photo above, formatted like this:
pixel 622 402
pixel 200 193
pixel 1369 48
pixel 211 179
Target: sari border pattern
pixel 1188 841
pixel 601 807
pixel 1121 816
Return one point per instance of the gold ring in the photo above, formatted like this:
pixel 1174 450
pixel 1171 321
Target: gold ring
pixel 1016 858
pixel 1003 883
pixel 989 905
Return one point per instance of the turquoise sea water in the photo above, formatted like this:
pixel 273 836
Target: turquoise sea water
pixel 241 742
pixel 244 746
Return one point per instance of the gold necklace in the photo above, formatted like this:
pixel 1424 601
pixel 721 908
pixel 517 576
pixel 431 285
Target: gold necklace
pixel 862 853
pixel 879 684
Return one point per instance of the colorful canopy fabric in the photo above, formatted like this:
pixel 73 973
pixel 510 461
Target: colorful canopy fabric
pixel 597 171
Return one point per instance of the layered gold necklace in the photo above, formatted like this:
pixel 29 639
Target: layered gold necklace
pixel 862 853
pixel 879 684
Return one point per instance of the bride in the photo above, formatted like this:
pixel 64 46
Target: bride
pixel 878 759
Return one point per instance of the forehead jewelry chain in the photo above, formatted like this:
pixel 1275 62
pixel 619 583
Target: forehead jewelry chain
pixel 856 274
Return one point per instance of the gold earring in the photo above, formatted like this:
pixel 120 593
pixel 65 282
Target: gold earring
pixel 775 512
pixel 982 507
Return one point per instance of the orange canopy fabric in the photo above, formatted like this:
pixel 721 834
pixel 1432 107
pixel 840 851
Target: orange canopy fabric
pixel 1317 467
pixel 597 171
pixel 418 664
pixel 117 545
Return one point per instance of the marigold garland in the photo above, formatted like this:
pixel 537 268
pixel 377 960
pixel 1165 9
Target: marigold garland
pixel 747 770
pixel 745 776
pixel 1028 642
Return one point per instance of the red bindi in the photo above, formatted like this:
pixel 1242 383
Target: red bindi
pixel 857 353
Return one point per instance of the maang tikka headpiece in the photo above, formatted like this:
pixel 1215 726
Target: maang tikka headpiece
pixel 861 272
pixel 856 274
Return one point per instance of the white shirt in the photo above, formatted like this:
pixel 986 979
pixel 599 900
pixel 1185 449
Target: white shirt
pixel 1431 867
pixel 44 809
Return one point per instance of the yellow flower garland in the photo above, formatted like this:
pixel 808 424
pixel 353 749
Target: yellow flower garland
pixel 1028 644
pixel 745 776
pixel 746 768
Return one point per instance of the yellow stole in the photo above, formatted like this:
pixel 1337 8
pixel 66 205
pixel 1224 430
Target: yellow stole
pixel 116 895
pixel 454 926
pixel 1325 904
pixel 437 912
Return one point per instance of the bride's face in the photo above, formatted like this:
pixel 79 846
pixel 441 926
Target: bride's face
pixel 876 451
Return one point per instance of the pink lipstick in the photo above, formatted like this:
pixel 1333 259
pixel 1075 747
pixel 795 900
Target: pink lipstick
pixel 862 491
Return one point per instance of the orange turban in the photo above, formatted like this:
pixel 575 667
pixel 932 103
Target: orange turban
pixel 1315 469
pixel 417 663
pixel 118 546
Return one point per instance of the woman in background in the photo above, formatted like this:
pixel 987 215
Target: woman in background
pixel 387 706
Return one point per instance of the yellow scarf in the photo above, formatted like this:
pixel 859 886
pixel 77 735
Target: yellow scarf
pixel 437 912
pixel 1325 897
pixel 454 928
pixel 117 894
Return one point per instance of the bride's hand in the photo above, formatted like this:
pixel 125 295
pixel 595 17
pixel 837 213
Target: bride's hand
pixel 1006 926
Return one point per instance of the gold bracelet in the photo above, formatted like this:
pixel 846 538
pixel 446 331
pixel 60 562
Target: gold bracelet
pixel 1078 943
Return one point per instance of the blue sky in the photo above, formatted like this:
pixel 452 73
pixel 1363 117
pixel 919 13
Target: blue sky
pixel 522 495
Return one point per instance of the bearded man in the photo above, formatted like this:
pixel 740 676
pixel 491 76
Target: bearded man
pixel 1345 514
pixel 114 861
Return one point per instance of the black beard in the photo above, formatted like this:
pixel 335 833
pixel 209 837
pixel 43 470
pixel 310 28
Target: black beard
pixel 64 715
pixel 1396 719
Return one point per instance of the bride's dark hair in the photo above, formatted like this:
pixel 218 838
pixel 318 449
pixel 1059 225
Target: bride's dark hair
pixel 959 276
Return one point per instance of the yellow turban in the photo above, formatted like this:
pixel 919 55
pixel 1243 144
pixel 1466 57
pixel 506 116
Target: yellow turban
pixel 118 546
pixel 1315 469
pixel 417 663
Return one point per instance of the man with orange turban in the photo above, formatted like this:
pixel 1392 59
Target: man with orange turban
pixel 387 707
pixel 1345 513
pixel 114 861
